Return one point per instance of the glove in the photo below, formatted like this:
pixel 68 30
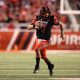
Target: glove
pixel 30 27
pixel 62 37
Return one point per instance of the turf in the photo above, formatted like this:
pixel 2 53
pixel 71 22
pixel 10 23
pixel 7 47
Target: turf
pixel 19 66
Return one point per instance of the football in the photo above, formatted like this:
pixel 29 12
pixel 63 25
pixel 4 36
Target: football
pixel 38 24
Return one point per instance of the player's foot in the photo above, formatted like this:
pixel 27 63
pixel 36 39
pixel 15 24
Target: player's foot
pixel 36 69
pixel 51 69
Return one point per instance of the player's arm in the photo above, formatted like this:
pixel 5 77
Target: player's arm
pixel 32 25
pixel 35 24
pixel 61 29
pixel 57 22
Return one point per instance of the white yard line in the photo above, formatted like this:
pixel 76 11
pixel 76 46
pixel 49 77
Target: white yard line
pixel 38 74
pixel 42 78
pixel 40 66
pixel 29 66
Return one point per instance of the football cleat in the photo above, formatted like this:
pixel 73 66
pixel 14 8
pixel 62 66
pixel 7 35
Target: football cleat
pixel 51 69
pixel 36 70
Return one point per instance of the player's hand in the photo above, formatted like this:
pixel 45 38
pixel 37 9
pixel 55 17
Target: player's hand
pixel 30 27
pixel 63 40
pixel 62 37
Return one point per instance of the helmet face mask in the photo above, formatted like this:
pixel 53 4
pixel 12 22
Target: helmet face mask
pixel 45 11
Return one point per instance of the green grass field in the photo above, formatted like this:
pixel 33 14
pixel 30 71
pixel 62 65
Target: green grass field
pixel 19 66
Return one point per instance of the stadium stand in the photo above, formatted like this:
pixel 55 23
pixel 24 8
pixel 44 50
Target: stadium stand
pixel 23 11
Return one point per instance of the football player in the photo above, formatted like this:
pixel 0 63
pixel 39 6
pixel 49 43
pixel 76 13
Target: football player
pixel 43 24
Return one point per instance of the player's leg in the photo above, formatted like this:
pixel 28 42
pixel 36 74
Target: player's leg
pixel 37 62
pixel 47 61
pixel 36 69
pixel 39 44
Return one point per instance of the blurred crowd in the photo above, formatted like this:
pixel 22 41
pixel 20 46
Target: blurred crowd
pixel 23 10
